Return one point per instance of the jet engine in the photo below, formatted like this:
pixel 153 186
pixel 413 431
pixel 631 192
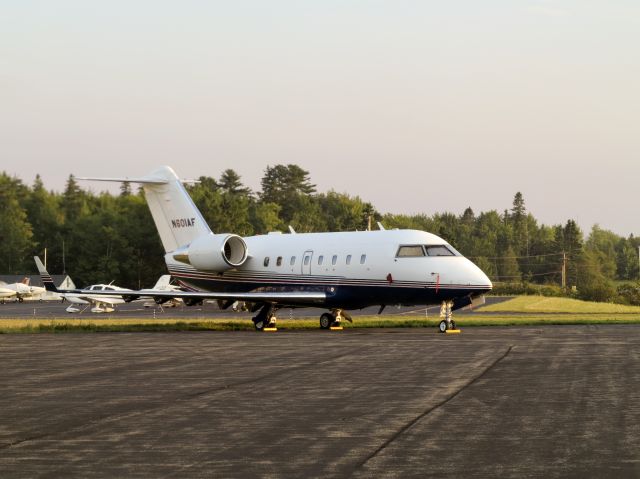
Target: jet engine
pixel 214 252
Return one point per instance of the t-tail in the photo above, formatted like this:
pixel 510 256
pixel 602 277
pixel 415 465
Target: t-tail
pixel 184 233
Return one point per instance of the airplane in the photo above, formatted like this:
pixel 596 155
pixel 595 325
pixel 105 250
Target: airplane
pixel 338 271
pixel 102 297
pixel 164 284
pixel 20 290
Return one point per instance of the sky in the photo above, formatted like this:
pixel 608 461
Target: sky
pixel 416 106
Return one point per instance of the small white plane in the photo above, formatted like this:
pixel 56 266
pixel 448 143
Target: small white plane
pixel 101 297
pixel 337 271
pixel 163 284
pixel 20 290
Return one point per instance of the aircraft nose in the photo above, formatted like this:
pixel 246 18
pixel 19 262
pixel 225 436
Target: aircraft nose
pixel 479 277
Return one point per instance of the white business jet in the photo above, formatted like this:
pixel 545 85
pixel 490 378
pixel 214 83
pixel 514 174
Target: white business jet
pixel 337 271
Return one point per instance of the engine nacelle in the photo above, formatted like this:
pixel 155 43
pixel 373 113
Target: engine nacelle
pixel 217 253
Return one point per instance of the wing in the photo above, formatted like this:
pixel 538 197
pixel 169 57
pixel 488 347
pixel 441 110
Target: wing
pixel 293 298
pixel 6 293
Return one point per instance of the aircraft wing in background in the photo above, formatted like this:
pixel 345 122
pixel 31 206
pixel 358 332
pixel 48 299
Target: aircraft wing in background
pixel 295 298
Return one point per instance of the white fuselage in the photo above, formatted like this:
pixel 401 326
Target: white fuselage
pixel 363 268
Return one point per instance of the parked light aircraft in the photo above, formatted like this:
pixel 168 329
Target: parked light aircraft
pixel 337 271
pixel 104 297
pixel 164 284
pixel 20 290
pixel 101 297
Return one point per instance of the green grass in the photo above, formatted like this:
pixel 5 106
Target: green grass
pixel 541 304
pixel 138 325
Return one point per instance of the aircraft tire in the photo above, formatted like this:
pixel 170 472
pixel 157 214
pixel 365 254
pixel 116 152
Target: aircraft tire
pixel 442 327
pixel 326 320
pixel 259 324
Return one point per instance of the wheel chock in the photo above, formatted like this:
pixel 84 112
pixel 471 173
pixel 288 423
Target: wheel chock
pixel 335 328
pixel 453 331
pixel 270 329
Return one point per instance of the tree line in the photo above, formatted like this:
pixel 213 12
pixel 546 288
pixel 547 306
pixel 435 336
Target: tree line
pixel 104 237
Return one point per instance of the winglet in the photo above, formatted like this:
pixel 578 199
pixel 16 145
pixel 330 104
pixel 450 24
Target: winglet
pixel 45 276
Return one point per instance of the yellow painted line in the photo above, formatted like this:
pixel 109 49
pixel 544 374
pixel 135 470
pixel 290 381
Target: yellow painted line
pixel 453 331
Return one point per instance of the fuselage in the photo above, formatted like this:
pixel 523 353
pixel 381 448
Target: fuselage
pixel 355 269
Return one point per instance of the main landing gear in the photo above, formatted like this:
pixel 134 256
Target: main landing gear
pixel 447 325
pixel 333 320
pixel 265 320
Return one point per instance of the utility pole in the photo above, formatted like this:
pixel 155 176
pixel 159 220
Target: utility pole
pixel 564 270
pixel 64 264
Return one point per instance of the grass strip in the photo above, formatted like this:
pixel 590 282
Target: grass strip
pixel 541 304
pixel 8 326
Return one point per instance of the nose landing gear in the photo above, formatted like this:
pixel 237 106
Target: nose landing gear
pixel 447 325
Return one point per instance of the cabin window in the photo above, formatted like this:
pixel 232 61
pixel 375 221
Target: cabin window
pixel 334 259
pixel 293 261
pixel 279 261
pixel 348 259
pixel 320 260
pixel 307 259
pixel 410 251
pixel 363 258
pixel 266 262
pixel 439 250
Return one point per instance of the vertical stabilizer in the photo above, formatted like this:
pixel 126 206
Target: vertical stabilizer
pixel 163 282
pixel 177 219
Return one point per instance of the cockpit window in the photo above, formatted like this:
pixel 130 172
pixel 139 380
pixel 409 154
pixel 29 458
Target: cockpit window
pixel 410 251
pixel 439 250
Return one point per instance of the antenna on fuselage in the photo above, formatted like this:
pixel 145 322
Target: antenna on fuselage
pixel 291 230
pixel 380 227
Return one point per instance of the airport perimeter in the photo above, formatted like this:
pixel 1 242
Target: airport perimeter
pixel 548 401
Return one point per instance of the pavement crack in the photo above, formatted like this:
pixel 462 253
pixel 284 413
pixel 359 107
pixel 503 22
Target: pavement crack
pixel 424 414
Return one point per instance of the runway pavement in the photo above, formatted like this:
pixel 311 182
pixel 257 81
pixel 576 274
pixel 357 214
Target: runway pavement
pixel 555 401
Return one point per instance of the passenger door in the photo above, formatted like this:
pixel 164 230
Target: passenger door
pixel 306 262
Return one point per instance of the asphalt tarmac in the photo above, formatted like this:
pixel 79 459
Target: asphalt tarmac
pixel 554 401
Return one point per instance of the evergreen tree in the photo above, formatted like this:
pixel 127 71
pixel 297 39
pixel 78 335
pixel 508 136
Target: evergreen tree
pixel 45 217
pixel 15 229
pixel 519 224
pixel 290 188
pixel 125 188
pixel 230 183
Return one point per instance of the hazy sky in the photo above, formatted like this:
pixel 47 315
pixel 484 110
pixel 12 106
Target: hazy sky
pixel 416 106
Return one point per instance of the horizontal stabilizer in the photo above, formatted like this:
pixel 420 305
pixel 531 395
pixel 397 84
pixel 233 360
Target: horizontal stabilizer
pixel 143 180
